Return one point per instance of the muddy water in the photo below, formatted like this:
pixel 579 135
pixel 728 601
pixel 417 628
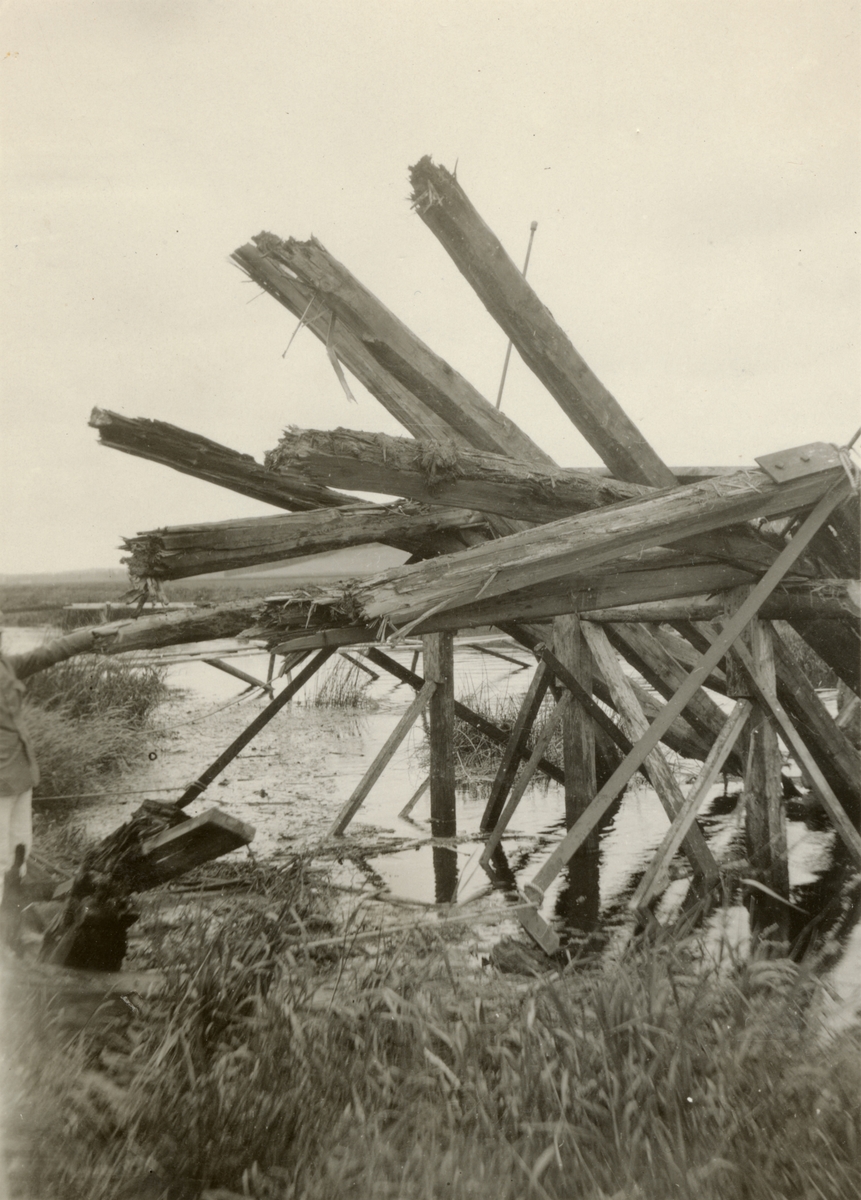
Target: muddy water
pixel 293 779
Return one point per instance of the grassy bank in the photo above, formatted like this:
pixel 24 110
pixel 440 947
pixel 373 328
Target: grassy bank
pixel 87 718
pixel 270 1070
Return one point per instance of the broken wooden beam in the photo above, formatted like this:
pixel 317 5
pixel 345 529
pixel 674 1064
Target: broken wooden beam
pixel 189 844
pixel 478 254
pixel 200 457
pixel 443 473
pixel 181 551
pixel 359 330
pixel 586 541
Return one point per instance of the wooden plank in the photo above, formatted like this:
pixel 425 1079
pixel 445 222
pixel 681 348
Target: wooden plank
pixel 654 878
pixel 808 599
pixel 415 797
pixel 229 669
pixel 657 769
pixel 361 331
pixel 515 747
pixel 618 780
pixel 190 844
pixel 583 542
pixel 182 551
pixel 560 709
pixel 438 653
pixel 400 731
pixel 478 254
pixel 578 732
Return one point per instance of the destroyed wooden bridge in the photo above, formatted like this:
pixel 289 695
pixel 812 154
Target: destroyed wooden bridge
pixel 689 575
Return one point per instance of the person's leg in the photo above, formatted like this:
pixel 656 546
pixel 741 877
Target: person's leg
pixel 7 846
pixel 21 825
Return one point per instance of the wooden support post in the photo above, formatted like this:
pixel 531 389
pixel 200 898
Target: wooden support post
pixel 531 920
pixel 661 777
pixel 439 669
pixel 578 732
pixel 765 829
pixel 654 878
pixel 514 750
pixel 419 704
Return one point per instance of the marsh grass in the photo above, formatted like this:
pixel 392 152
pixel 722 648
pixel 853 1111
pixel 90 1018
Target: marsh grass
pixel 87 718
pixel 660 1074
pixel 476 756
pixel 344 685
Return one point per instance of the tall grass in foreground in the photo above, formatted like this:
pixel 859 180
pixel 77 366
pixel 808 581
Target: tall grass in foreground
pixel 658 1075
pixel 86 717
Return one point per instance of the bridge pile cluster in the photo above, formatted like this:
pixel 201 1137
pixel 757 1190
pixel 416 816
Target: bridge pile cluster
pixel 690 575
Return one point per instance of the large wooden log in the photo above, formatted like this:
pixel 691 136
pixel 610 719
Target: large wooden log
pixel 369 339
pixel 195 455
pixel 444 474
pixel 180 551
pixel 478 254
pixel 838 644
pixel 800 600
pixel 586 541
pixel 440 473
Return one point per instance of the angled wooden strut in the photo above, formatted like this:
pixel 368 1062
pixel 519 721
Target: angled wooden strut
pixel 535 925
pixel 419 704
pixel 657 768
pixel 654 879
pixel 513 752
pixel 524 777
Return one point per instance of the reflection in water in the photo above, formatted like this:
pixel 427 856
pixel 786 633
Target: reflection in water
pixel 578 904
pixel 444 874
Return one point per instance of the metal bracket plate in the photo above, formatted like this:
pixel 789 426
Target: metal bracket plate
pixel 800 460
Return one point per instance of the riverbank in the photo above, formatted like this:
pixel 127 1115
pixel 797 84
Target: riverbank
pixel 289 1052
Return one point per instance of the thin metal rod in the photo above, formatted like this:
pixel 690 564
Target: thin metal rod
pixel 532 229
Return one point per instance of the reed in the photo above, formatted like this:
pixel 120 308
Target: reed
pixel 662 1073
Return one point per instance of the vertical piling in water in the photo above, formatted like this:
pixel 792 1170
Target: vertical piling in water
pixel 439 669
pixel 578 732
pixel 765 828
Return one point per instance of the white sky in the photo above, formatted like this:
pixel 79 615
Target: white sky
pixel 693 168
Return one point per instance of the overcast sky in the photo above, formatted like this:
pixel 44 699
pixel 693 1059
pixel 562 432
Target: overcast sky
pixel 693 169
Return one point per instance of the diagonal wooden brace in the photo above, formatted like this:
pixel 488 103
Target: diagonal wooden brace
pixel 535 889
pixel 654 878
